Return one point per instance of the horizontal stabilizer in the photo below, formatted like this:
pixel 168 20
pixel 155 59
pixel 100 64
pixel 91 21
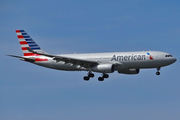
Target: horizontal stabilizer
pixel 23 58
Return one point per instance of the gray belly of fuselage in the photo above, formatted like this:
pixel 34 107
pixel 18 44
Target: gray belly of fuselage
pixel 127 64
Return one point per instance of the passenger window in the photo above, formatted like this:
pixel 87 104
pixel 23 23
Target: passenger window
pixel 168 56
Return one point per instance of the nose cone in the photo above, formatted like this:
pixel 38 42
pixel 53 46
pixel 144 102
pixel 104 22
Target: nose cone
pixel 170 60
pixel 175 59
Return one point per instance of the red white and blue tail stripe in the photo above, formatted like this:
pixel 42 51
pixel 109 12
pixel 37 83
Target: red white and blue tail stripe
pixel 26 41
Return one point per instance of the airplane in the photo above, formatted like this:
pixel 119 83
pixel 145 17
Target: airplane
pixel 105 63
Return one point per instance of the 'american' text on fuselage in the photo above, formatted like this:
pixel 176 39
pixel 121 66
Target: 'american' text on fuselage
pixel 128 57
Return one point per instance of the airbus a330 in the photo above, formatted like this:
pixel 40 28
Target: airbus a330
pixel 104 63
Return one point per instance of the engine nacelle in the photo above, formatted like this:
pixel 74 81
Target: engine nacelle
pixel 104 68
pixel 129 71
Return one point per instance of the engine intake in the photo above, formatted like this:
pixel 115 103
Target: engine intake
pixel 104 68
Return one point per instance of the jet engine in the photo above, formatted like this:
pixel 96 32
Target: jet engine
pixel 104 68
pixel 129 71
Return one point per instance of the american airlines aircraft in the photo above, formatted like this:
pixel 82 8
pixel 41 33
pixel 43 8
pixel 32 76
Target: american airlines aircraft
pixel 122 62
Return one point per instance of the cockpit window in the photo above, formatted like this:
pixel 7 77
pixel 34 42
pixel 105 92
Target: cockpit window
pixel 168 56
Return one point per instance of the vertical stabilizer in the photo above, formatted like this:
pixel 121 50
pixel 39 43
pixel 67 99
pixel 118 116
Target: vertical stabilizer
pixel 26 41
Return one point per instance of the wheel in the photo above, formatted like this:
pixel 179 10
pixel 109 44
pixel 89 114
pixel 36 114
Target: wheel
pixel 101 79
pixel 157 73
pixel 91 75
pixel 86 78
pixel 105 76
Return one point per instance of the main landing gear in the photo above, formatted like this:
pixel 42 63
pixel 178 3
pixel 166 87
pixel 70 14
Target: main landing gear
pixel 104 75
pixel 158 69
pixel 91 75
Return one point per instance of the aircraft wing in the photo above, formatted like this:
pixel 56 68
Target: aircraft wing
pixel 81 62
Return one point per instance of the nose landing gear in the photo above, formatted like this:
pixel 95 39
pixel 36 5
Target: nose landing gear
pixel 158 69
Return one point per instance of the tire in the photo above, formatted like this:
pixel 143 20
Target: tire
pixel 157 73
pixel 101 79
pixel 105 76
pixel 91 75
pixel 86 78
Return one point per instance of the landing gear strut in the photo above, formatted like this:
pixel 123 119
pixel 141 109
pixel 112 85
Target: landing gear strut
pixel 158 69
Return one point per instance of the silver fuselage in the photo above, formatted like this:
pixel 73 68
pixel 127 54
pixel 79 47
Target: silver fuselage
pixel 129 60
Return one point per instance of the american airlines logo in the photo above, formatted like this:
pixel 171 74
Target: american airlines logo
pixel 150 57
pixel 128 57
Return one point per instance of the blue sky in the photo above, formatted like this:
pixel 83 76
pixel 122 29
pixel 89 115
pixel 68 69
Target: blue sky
pixel 31 92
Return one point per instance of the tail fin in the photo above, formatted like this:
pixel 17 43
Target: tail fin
pixel 26 41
